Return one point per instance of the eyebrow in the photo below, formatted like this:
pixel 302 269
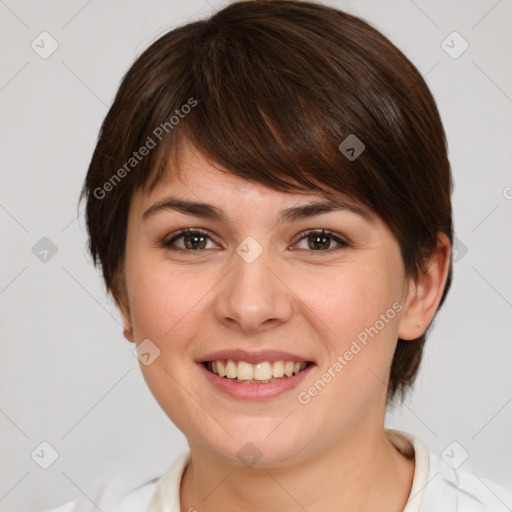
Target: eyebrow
pixel 208 211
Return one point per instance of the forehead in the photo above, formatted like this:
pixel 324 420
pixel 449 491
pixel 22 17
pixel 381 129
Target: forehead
pixel 190 175
pixel 189 170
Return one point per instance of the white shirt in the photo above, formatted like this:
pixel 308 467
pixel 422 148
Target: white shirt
pixel 436 487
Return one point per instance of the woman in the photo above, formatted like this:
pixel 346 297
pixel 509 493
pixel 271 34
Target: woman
pixel 269 201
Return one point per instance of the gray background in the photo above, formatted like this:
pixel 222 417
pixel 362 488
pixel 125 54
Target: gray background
pixel 68 377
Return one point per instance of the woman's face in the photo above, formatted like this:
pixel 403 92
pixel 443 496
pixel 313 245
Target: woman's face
pixel 255 288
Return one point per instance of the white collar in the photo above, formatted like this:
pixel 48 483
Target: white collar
pixel 421 471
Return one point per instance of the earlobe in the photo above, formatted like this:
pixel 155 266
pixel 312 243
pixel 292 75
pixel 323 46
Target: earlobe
pixel 127 324
pixel 120 296
pixel 128 332
pixel 425 293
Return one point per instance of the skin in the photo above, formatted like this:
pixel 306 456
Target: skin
pixel 331 454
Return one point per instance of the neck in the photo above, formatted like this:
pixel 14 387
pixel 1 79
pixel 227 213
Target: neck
pixel 360 472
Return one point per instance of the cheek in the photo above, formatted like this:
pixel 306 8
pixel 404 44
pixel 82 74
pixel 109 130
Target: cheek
pixel 163 301
pixel 168 308
pixel 360 307
pixel 351 299
pixel 361 310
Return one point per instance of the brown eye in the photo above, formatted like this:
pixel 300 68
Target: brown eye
pixel 321 241
pixel 193 240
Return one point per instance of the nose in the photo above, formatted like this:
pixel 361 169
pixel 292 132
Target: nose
pixel 253 297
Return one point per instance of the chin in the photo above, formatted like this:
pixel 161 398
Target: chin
pixel 259 443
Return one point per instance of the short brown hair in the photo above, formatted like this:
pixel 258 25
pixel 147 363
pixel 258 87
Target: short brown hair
pixel 273 87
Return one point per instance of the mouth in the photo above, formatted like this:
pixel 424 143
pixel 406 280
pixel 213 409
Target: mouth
pixel 255 375
pixel 260 373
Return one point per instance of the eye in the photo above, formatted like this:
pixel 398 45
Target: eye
pixel 197 240
pixel 194 240
pixel 320 240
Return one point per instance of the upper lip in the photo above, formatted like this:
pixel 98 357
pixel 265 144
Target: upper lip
pixel 253 357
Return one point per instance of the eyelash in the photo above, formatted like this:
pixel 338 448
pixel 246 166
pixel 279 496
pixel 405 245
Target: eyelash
pixel 320 232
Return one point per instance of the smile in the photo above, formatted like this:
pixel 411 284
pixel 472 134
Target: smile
pixel 260 373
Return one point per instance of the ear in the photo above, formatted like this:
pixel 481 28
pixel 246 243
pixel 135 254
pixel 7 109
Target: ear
pixel 425 293
pixel 125 316
pixel 120 295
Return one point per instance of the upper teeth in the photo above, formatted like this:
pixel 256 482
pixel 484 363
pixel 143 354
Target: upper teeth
pixel 265 371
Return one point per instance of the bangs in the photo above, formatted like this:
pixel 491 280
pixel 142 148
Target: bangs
pixel 266 119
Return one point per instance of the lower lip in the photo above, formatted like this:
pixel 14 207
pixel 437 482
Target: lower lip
pixel 253 391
